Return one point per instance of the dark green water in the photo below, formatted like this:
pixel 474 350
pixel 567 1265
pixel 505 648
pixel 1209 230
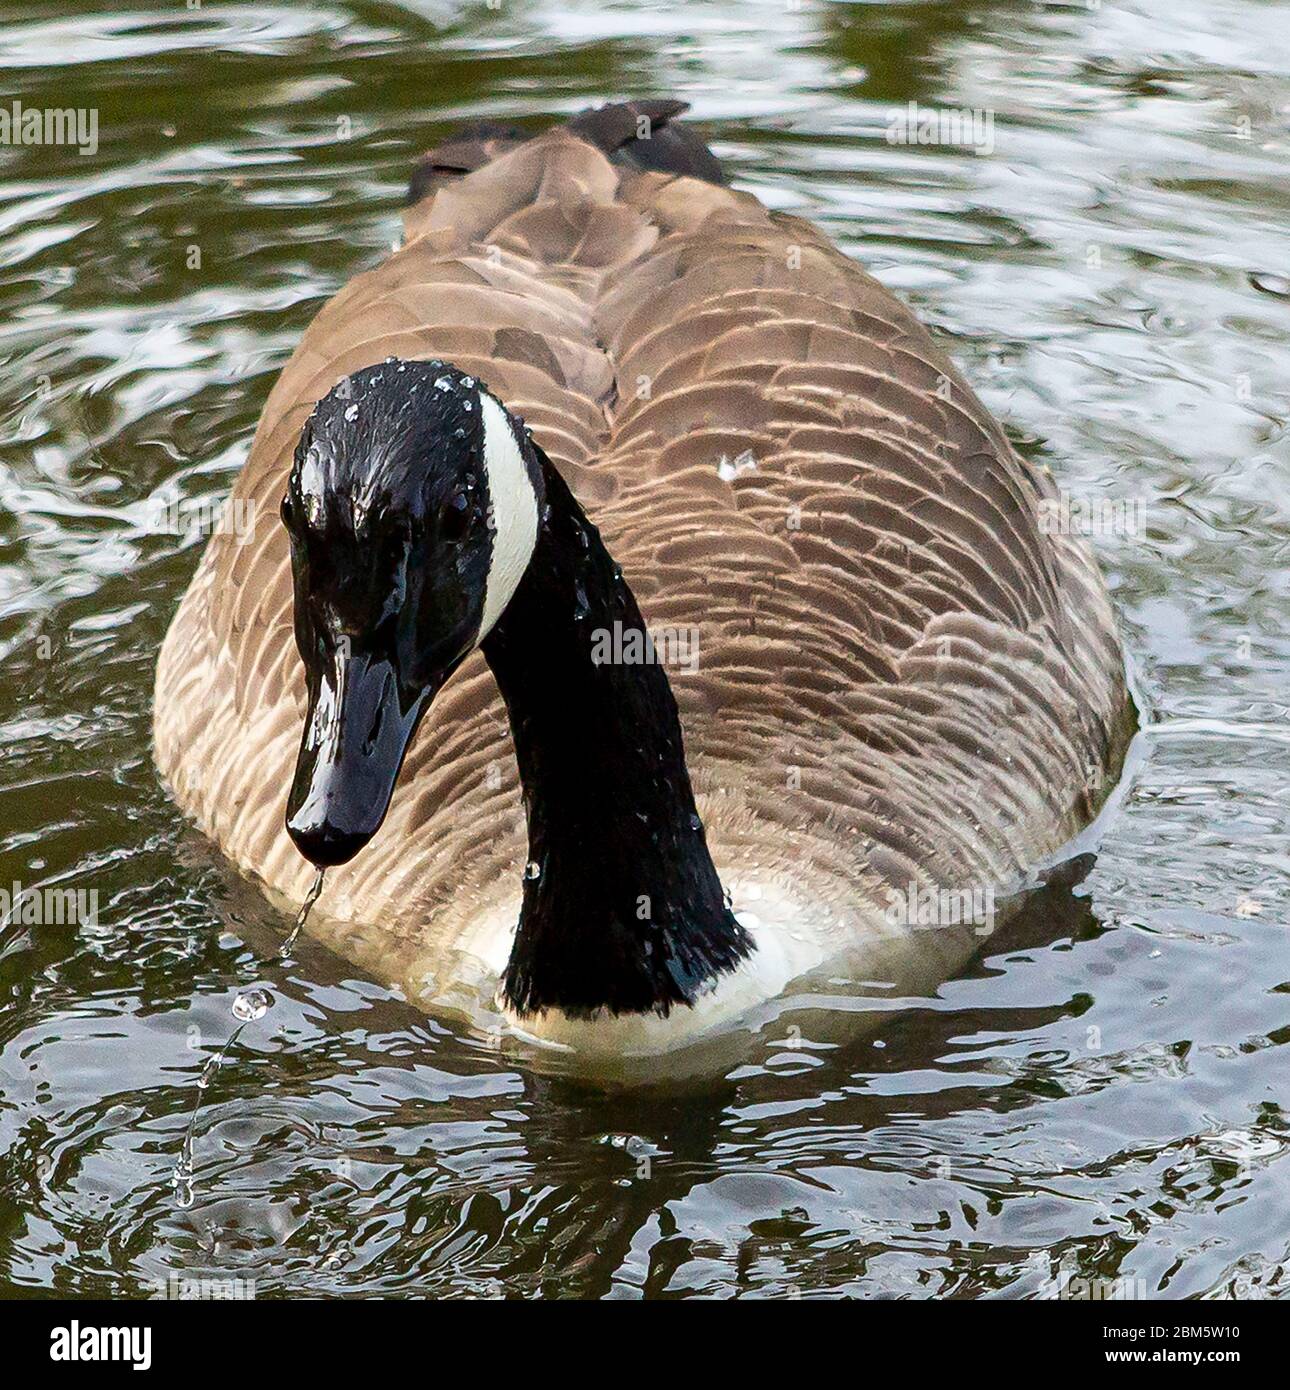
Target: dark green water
pixel 1101 1093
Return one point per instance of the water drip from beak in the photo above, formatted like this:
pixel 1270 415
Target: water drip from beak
pixel 315 892
pixel 247 1006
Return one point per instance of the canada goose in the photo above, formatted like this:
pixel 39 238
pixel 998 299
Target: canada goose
pixel 895 676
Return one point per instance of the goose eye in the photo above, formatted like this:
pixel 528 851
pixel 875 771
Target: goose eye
pixel 287 512
pixel 454 519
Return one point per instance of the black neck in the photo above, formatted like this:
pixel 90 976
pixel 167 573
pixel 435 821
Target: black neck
pixel 622 907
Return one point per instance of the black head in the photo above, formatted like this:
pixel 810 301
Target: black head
pixel 413 509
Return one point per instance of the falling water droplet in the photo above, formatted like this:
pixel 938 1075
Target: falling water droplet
pixel 252 1004
pixel 181 1178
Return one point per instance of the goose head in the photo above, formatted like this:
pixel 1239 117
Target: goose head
pixel 412 509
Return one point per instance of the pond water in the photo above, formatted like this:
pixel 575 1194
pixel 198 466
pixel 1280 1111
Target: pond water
pixel 1100 1092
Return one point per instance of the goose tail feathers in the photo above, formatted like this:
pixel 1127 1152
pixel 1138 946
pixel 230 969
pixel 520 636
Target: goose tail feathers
pixel 639 134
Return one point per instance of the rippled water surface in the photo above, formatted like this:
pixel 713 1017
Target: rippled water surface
pixel 1100 1092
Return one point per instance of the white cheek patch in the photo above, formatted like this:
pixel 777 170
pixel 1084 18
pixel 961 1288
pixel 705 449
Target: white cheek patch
pixel 515 511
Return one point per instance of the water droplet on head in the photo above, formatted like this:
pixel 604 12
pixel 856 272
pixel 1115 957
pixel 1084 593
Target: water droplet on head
pixel 351 412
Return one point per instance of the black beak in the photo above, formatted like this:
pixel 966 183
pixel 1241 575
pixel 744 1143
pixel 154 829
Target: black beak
pixel 356 736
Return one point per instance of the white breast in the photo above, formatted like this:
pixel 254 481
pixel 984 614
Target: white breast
pixel 786 945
